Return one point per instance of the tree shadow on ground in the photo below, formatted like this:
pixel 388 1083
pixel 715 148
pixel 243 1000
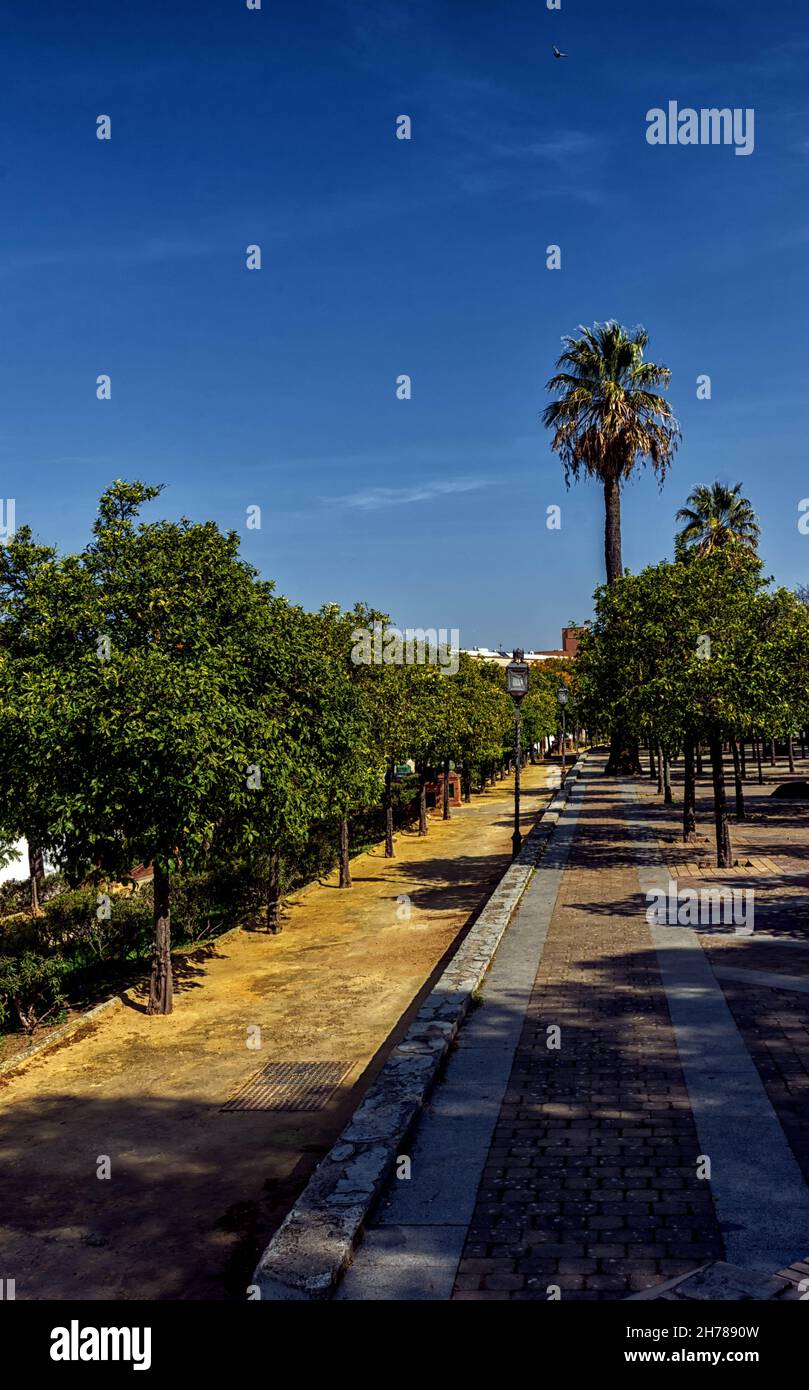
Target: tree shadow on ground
pixel 190 1204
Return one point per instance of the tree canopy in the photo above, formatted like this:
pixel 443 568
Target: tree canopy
pixel 161 705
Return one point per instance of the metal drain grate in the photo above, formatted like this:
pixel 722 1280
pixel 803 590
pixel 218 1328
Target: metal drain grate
pixel 290 1086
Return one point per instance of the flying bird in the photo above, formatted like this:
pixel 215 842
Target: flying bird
pixel 557 54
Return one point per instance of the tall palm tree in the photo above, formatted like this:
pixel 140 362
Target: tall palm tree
pixel 607 419
pixel 716 517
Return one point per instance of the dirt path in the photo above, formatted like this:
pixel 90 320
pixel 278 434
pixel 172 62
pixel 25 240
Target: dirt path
pixel 193 1191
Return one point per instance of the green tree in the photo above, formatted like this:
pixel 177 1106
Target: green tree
pixel 607 420
pixel 716 517
pixel 350 767
pixel 30 650
pixel 689 652
pixel 163 704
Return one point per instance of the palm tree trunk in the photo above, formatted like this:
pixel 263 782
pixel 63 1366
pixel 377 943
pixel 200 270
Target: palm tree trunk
pixel 689 792
pixel 724 857
pixel 345 866
pixel 624 756
pixel 737 777
pixel 612 529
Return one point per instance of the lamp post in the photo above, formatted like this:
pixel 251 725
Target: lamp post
pixel 517 686
pixel 562 697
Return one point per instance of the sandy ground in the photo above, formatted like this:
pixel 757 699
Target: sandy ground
pixel 193 1191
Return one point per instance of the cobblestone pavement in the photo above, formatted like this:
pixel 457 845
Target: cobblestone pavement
pixel 591 1182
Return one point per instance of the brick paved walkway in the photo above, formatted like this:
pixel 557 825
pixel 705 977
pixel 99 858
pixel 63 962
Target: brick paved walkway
pixel 590 1182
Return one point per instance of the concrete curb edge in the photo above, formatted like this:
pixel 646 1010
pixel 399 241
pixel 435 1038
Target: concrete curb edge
pixel 65 1030
pixel 313 1246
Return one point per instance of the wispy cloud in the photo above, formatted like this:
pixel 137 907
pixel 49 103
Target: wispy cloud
pixel 372 499
pixel 485 129
pixel 150 250
pixel 538 168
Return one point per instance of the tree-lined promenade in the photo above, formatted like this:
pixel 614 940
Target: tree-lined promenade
pixel 161 705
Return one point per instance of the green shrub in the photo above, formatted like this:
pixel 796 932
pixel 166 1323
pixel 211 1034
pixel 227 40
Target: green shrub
pixel 31 988
pixel 71 925
pixel 15 893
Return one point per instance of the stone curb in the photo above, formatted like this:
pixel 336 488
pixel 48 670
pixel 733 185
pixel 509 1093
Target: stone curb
pixel 313 1246
pixel 65 1030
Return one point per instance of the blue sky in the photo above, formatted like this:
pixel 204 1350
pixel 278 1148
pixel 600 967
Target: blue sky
pixel 381 257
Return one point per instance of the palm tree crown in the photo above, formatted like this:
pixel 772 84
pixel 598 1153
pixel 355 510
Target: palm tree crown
pixel 607 418
pixel 716 516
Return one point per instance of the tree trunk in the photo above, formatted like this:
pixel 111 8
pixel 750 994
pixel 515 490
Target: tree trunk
pixel 689 792
pixel 743 757
pixel 723 850
pixel 423 802
pixel 667 796
pixel 161 985
pixel 345 866
pixel 624 759
pixel 790 753
pixel 659 770
pixel 803 744
pixel 36 870
pixel 758 760
pixel 700 768
pixel 389 850
pixel 445 789
pixel 612 529
pixel 652 768
pixel 274 895
pixel 467 782
pixel 772 752
pixel 737 777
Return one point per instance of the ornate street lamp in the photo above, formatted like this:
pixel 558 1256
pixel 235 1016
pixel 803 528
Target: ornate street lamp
pixel 562 697
pixel 517 686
